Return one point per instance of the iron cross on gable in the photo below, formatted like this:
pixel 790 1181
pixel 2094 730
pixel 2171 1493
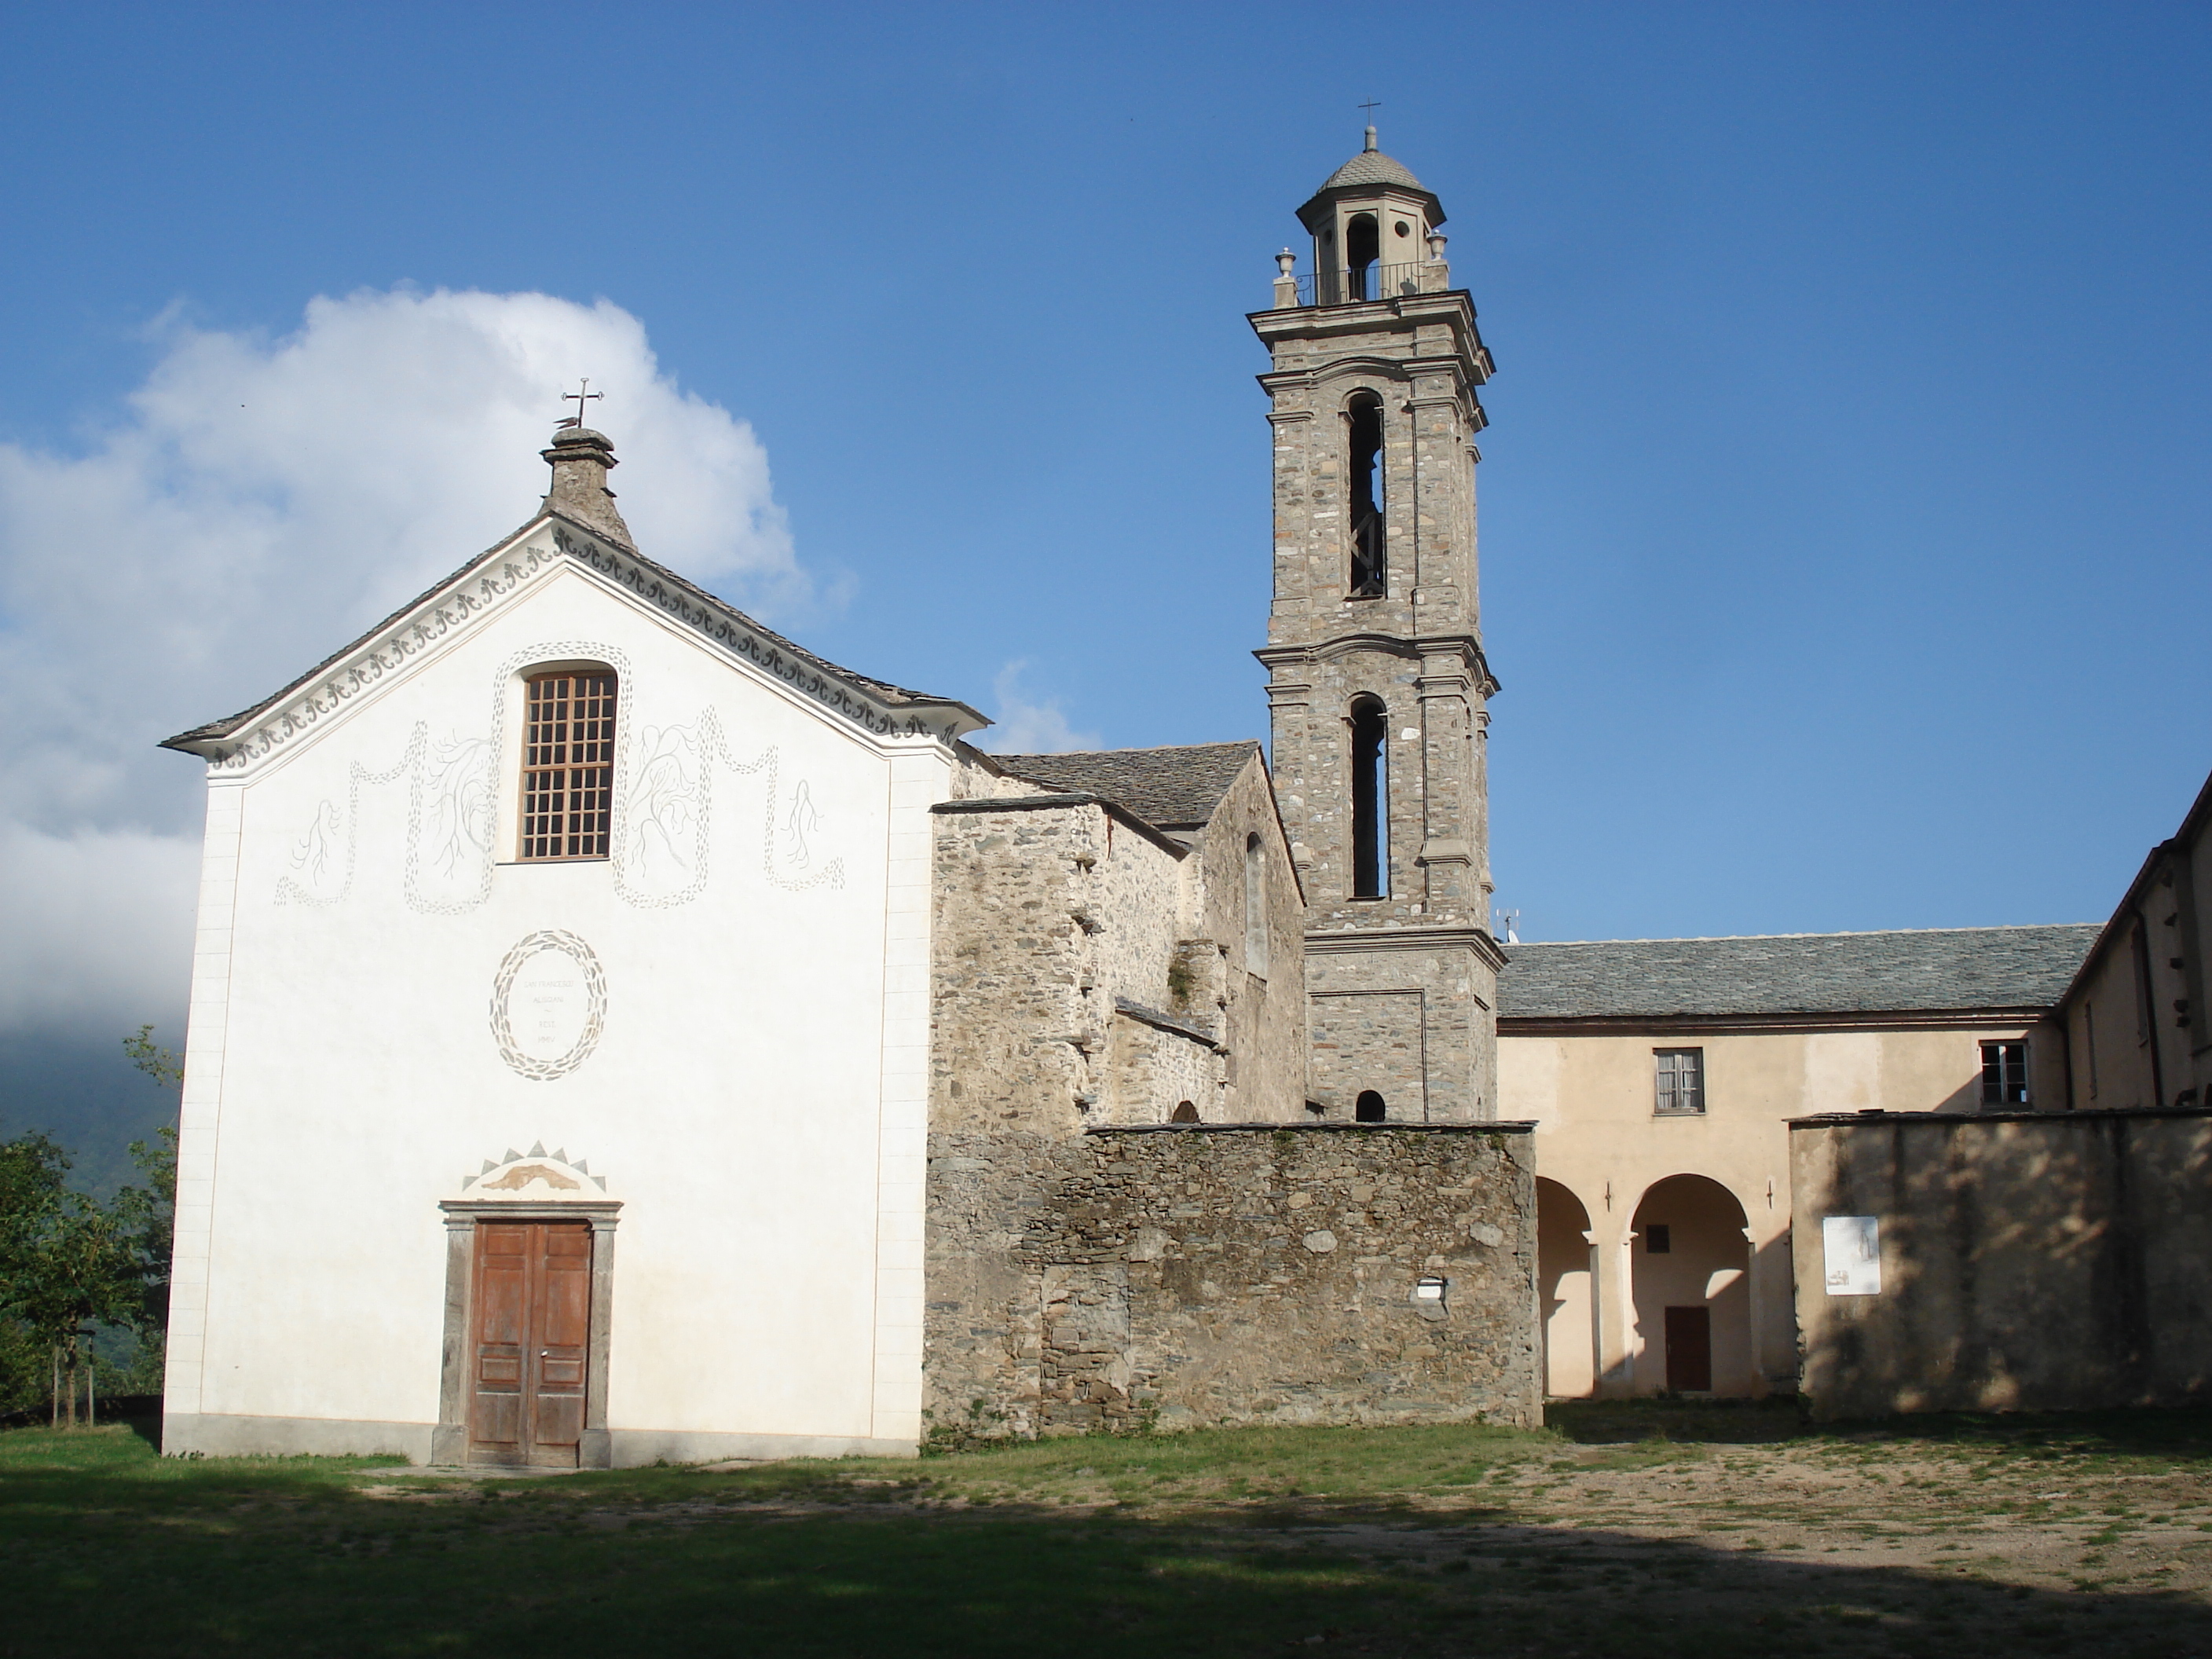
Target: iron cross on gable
pixel 581 396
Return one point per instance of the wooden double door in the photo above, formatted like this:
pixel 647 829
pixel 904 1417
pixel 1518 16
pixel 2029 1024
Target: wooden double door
pixel 530 1342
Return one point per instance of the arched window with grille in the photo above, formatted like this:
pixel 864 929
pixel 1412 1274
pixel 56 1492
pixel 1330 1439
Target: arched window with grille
pixel 568 765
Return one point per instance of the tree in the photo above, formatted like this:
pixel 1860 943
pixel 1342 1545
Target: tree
pixel 64 1260
pixel 67 1261
pixel 149 1213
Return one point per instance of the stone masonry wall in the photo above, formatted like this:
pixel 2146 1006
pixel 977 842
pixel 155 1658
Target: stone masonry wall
pixel 1186 1276
pixel 1413 1019
pixel 1264 1022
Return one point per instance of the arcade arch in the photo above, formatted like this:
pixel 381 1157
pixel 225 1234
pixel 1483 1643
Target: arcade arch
pixel 1565 1287
pixel 1690 1264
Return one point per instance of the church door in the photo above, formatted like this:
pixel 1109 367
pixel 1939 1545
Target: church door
pixel 532 1329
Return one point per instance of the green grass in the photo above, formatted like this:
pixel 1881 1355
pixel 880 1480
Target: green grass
pixel 1411 1541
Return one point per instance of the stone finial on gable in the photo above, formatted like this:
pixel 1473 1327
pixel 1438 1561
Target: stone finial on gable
pixel 581 458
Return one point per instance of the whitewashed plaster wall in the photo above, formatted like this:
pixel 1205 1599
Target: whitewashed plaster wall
pixel 755 1096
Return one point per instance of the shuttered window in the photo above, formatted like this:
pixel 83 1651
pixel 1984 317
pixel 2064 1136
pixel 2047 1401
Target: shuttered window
pixel 568 766
pixel 1682 1074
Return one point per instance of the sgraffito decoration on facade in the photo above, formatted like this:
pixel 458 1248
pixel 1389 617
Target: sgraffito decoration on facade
pixel 663 797
pixel 449 828
pixel 549 1004
pixel 665 808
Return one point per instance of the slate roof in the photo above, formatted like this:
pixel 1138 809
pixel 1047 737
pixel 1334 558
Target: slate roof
pixel 1174 788
pixel 1900 972
pixel 1372 166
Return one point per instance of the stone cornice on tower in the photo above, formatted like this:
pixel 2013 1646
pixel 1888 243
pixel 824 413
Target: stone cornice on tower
pixel 1413 648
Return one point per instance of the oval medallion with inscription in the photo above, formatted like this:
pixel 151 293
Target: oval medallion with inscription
pixel 548 1004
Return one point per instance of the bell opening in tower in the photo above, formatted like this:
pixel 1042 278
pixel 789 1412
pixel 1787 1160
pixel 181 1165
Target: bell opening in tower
pixel 1363 424
pixel 1363 247
pixel 1371 799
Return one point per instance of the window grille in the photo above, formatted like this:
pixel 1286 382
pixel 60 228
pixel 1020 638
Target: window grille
pixel 568 766
pixel 2004 1074
pixel 1681 1086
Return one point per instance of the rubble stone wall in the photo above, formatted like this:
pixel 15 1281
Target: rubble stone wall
pixel 1186 1276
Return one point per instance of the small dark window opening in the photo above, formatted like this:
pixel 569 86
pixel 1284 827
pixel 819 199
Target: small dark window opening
pixel 1364 421
pixel 1371 799
pixel 1362 246
pixel 1369 1108
pixel 2004 1074
pixel 1183 1113
pixel 1658 1240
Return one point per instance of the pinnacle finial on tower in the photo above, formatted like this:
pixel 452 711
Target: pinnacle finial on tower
pixel 1371 146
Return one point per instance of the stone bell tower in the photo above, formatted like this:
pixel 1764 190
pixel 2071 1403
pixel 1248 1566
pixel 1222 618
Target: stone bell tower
pixel 1377 683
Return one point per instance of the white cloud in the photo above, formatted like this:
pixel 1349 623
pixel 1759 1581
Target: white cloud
pixel 1025 725
pixel 260 502
pixel 99 926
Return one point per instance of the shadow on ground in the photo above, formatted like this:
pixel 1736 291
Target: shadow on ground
pixel 129 1556
pixel 2183 1432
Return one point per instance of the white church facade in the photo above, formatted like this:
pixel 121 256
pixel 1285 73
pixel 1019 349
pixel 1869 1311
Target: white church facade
pixel 567 897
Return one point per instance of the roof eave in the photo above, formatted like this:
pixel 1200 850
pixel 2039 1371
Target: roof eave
pixel 1328 195
pixel 212 741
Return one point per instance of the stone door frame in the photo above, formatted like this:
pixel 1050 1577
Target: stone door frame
pixel 449 1441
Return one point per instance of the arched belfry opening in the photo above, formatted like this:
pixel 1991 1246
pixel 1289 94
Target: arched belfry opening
pixel 1362 249
pixel 1371 798
pixel 1363 416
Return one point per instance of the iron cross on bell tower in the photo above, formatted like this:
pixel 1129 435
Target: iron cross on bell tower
pixel 1379 685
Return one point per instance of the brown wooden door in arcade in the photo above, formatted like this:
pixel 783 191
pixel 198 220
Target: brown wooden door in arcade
pixel 530 1345
pixel 1689 1350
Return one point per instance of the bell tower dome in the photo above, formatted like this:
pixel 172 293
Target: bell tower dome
pixel 1378 687
pixel 1370 224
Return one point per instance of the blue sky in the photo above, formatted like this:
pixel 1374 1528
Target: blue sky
pixel 1845 505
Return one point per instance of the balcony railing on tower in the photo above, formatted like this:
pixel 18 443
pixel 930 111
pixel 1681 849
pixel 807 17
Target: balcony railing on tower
pixel 1352 286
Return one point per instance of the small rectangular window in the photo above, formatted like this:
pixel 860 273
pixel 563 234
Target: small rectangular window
pixel 1658 1239
pixel 568 767
pixel 1682 1085
pixel 2004 1074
